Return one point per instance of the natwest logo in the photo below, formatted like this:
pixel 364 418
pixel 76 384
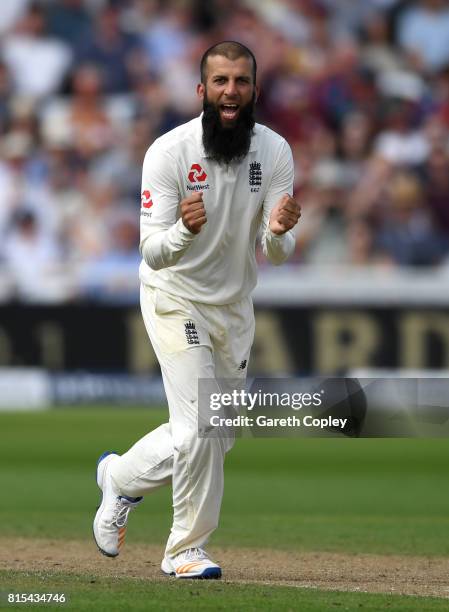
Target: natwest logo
pixel 197 174
pixel 146 200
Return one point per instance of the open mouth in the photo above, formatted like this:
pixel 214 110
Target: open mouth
pixel 229 111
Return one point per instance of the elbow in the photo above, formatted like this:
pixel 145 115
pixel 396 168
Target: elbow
pixel 155 263
pixel 160 251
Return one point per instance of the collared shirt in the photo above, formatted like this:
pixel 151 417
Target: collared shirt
pixel 218 265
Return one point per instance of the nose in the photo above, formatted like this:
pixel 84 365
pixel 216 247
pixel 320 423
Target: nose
pixel 231 89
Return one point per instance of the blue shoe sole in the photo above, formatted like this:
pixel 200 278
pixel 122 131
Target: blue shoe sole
pixel 211 573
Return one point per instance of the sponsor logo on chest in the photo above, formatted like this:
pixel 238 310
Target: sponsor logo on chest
pixel 197 178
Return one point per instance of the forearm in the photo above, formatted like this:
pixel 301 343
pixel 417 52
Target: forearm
pixel 165 248
pixel 277 249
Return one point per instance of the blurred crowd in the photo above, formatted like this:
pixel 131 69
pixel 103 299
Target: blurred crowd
pixel 359 89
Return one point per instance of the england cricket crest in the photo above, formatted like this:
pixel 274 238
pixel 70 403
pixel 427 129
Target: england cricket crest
pixel 255 176
pixel 191 333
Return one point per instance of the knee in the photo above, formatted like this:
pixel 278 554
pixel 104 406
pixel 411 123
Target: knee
pixel 184 438
pixel 203 443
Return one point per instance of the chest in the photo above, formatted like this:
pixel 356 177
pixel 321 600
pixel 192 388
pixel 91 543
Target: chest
pixel 234 188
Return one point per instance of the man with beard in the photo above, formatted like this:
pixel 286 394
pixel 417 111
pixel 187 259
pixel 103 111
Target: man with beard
pixel 208 188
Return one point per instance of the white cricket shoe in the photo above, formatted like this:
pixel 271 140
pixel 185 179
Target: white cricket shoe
pixel 191 563
pixel 112 515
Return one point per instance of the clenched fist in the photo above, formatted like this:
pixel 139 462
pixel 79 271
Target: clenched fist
pixel 284 215
pixel 193 212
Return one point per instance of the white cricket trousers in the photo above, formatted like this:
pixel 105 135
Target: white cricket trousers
pixel 191 341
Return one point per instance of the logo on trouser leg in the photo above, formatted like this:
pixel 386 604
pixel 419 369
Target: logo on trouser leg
pixel 242 366
pixel 191 333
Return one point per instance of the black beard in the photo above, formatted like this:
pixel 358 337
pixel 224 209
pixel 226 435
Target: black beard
pixel 230 144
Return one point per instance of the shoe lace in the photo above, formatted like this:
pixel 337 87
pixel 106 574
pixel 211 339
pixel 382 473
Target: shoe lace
pixel 122 509
pixel 192 554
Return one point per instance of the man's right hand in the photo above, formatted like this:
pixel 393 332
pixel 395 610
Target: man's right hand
pixel 193 213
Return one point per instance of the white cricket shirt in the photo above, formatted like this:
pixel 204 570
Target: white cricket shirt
pixel 218 265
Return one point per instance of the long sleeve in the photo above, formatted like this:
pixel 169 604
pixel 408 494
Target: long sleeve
pixel 163 236
pixel 278 248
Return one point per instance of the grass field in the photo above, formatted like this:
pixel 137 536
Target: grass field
pixel 385 496
pixel 110 594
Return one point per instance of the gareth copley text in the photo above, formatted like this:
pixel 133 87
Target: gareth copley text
pixel 264 421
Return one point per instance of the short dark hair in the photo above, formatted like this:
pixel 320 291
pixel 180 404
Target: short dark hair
pixel 230 49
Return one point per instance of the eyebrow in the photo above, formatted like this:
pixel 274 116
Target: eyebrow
pixel 225 76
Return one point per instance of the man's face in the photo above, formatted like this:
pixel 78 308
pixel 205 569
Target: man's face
pixel 228 97
pixel 229 87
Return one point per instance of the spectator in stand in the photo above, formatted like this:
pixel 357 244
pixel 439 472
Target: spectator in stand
pixel 16 174
pixel 111 49
pixel 12 12
pixel 441 96
pixel 170 44
pixel 90 232
pixel 423 34
pixel 406 234
pixel 110 276
pixel 342 87
pixel 152 102
pixel 31 254
pixel 248 26
pixel 92 129
pixel 168 36
pixel 402 141
pixel 286 104
pixel 69 21
pixel 347 17
pixel 121 166
pixel 6 90
pixel 322 238
pixel 37 62
pixel 62 194
pixel 354 145
pixel 377 52
pixel 360 242
pixel 436 182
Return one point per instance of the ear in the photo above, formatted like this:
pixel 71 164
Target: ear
pixel 200 91
pixel 256 93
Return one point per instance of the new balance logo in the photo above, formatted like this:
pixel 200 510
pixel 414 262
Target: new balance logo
pixel 191 333
pixel 242 366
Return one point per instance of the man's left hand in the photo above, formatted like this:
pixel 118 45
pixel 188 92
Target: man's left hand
pixel 284 215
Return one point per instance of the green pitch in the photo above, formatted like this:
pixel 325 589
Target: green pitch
pixel 372 496
pixel 387 496
pixel 84 595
